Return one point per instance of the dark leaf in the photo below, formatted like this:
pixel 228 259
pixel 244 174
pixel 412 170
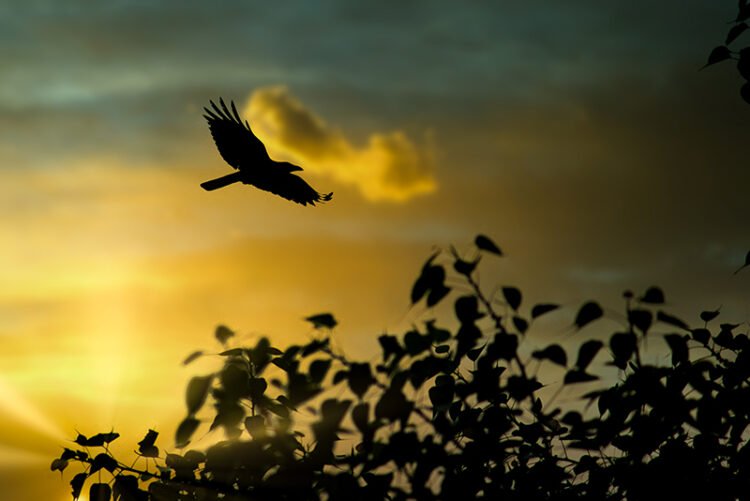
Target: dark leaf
pixel 360 416
pixel 126 488
pixel 484 243
pixel 678 344
pixel 234 352
pixel 59 464
pixel 97 440
pixel 653 295
pixel 554 353
pixel 474 354
pixel 467 309
pixel 185 431
pixel 589 312
pixel 587 352
pixel 341 375
pixel 319 369
pixel 640 319
pixel 512 296
pixel 707 316
pixel 193 356
pixel 521 324
pixel 103 461
pixel 322 320
pixel 100 492
pixel 443 348
pixel 223 333
pixel 197 391
pixel 360 378
pixel 416 343
pixel 578 376
pixel 701 335
pixel 390 346
pixel 540 309
pixel 77 484
pixel 623 346
pixel 671 320
pixel 256 426
pixel 734 32
pixel 149 440
pixel 747 256
pixel 465 267
pixel 437 294
pixel 717 55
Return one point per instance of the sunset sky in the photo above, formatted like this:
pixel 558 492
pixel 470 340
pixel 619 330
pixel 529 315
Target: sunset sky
pixel 579 135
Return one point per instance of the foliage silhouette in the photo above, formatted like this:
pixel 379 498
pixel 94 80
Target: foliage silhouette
pixel 449 413
pixel 723 52
pixel 240 148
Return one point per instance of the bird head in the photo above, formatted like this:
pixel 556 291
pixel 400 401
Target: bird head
pixel 289 167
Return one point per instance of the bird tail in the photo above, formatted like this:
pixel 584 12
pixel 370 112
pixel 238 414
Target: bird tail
pixel 222 181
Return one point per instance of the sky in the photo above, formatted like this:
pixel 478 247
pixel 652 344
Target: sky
pixel 579 135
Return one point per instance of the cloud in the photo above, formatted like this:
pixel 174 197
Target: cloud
pixel 389 167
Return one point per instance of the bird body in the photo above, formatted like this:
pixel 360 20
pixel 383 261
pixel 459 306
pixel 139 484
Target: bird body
pixel 241 149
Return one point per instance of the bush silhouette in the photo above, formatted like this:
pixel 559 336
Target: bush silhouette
pixel 456 413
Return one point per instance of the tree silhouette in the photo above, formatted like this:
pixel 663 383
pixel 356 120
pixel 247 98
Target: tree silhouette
pixel 448 413
pixel 241 149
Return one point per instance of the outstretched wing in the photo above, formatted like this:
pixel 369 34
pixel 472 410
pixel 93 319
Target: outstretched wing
pixel 237 144
pixel 293 188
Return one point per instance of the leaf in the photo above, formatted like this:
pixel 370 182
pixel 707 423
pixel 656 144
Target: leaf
pixel 185 431
pixel 540 309
pixel 717 55
pixel 147 444
pixel 103 461
pixel 467 309
pixel 520 324
pixel 707 316
pixel 578 376
pixel 77 484
pixel 474 354
pixel 640 319
pixel 100 492
pixel 587 352
pixel 223 333
pixel 589 312
pixel 443 348
pixel 322 320
pixel 126 488
pixel 512 296
pixel 465 267
pixel 678 344
pixel 59 464
pixel 193 356
pixel 653 295
pixel 623 345
pixel 747 256
pixel 436 295
pixel 484 243
pixel 671 320
pixel 734 32
pixel 554 353
pixel 197 391
pixel 701 335
pixel 424 282
pixel 360 378
pixel 319 369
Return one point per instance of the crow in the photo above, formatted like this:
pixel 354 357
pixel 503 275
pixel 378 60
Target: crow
pixel 241 149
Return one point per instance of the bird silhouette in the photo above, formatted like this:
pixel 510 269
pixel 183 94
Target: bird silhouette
pixel 241 149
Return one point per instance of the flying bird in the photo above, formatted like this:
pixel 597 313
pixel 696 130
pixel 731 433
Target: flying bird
pixel 241 149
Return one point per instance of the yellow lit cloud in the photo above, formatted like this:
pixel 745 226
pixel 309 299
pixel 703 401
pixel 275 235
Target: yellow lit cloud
pixel 390 167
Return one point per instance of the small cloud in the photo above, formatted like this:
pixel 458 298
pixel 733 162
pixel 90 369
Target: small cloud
pixel 389 167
